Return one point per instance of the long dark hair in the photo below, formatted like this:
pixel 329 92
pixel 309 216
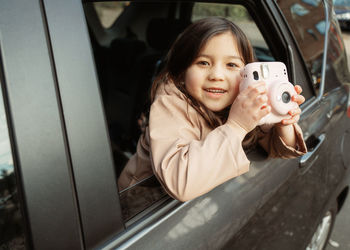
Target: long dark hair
pixel 186 49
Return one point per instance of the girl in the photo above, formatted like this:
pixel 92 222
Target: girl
pixel 199 123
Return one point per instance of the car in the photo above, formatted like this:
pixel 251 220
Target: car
pixel 342 11
pixel 75 78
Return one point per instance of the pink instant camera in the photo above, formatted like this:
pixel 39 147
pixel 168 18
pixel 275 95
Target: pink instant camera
pixel 279 89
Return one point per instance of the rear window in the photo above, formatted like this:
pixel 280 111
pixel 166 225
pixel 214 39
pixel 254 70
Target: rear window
pixel 11 220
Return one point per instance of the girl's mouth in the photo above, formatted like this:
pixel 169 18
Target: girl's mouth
pixel 215 90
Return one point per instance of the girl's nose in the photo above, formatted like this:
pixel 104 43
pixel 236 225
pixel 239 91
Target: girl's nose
pixel 216 74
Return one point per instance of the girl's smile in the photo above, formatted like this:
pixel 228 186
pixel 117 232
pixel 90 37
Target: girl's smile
pixel 215 92
pixel 213 78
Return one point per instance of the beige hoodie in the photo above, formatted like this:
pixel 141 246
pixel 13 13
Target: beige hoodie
pixel 189 158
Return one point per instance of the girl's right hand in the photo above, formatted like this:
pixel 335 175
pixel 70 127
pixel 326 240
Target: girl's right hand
pixel 249 107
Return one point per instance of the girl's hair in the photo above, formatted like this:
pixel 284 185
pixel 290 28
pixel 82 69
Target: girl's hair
pixel 186 49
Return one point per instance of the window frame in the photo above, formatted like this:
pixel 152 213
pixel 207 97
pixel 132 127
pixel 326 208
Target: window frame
pixel 84 121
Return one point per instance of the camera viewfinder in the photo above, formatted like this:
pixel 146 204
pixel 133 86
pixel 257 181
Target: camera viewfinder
pixel 265 70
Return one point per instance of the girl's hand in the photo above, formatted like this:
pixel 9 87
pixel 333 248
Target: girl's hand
pixel 249 107
pixel 294 113
pixel 285 128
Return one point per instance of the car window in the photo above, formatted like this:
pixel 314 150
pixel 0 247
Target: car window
pixel 128 57
pixel 11 220
pixel 240 16
pixel 306 19
pixel 342 3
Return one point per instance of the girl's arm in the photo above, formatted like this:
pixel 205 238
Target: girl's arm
pixel 187 164
pixel 285 129
pixel 278 145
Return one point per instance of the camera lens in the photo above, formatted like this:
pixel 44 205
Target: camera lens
pixel 256 75
pixel 286 97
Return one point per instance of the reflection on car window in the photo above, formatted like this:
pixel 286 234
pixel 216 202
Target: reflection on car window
pixel 299 10
pixel 11 224
pixel 342 3
pixel 314 3
pixel 307 21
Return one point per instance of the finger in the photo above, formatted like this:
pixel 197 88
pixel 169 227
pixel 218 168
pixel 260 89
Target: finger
pixel 298 99
pixel 298 89
pixel 260 86
pixel 292 120
pixel 260 100
pixel 264 111
pixel 256 90
pixel 287 121
pixel 294 112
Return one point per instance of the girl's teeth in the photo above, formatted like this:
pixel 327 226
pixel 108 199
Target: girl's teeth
pixel 216 90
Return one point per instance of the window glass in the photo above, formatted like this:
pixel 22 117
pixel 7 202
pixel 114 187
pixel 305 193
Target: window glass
pixel 108 12
pixel 307 21
pixel 11 221
pixel 128 57
pixel 342 3
pixel 240 16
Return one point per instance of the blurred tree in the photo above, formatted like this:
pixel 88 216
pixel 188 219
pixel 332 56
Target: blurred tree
pixel 230 11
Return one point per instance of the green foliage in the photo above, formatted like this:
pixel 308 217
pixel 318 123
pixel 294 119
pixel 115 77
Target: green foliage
pixel 230 11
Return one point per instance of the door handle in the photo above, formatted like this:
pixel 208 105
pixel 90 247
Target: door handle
pixel 307 160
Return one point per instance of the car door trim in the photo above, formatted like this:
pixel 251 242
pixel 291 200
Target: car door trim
pixel 87 134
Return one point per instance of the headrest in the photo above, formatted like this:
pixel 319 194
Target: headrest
pixel 162 32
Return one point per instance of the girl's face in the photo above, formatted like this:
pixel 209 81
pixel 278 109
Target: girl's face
pixel 214 76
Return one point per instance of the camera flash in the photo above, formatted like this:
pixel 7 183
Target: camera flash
pixel 265 70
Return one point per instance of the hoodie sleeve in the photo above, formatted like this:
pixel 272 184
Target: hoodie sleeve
pixel 276 147
pixel 186 164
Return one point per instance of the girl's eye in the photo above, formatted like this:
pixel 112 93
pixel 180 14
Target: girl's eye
pixel 233 65
pixel 204 63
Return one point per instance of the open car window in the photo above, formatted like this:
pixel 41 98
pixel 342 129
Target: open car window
pixel 128 56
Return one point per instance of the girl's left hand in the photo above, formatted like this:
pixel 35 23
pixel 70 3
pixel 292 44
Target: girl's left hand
pixel 294 113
